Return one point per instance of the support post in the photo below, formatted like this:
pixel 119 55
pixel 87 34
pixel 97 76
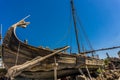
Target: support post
pixel 81 72
pixel 55 69
pixel 88 73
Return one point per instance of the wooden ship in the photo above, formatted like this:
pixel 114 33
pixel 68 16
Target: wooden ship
pixel 23 60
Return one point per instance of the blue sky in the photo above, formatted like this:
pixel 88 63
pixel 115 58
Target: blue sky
pixel 50 21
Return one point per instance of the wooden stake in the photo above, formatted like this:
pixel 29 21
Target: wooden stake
pixel 55 69
pixel 88 73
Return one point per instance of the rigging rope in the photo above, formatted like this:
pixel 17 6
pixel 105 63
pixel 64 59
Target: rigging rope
pixel 85 35
pixel 66 34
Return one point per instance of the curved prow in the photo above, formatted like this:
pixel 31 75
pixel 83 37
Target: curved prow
pixel 22 23
pixel 11 43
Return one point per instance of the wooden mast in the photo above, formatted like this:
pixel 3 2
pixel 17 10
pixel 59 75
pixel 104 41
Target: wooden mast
pixel 74 20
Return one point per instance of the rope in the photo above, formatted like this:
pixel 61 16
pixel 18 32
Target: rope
pixel 17 54
pixel 84 32
pixel 85 35
pixel 66 34
pixel 79 37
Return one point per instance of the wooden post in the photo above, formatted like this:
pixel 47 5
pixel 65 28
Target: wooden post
pixel 55 69
pixel 88 73
pixel 82 73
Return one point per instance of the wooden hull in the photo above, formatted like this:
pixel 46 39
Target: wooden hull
pixel 15 52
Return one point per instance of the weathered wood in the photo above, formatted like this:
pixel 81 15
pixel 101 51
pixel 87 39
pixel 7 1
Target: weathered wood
pixel 16 70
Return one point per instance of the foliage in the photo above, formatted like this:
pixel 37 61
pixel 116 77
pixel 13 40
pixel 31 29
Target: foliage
pixel 106 61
